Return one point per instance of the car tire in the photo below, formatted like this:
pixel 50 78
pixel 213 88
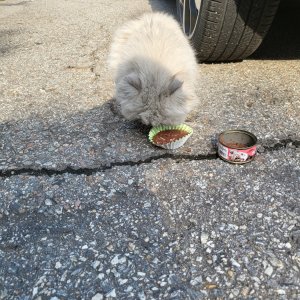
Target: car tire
pixel 226 30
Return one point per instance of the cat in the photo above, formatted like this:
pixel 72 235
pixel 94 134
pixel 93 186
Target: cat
pixel 155 70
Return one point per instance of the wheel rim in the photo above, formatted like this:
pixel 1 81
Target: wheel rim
pixel 188 10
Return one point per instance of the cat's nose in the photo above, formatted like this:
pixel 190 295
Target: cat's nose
pixel 144 119
pixel 154 122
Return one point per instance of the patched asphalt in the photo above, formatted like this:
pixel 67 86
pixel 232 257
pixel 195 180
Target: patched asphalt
pixel 90 209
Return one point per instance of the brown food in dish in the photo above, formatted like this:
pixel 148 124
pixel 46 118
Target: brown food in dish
pixel 168 136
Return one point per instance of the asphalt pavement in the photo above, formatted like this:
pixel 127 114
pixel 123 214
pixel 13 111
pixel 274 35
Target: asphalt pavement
pixel 89 209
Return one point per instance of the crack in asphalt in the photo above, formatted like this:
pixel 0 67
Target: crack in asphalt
pixel 281 144
pixel 91 171
pixel 14 4
pixel 284 143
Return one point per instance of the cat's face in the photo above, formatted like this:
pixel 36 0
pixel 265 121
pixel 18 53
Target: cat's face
pixel 152 101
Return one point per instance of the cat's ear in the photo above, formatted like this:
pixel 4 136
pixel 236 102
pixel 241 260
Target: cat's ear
pixel 174 85
pixel 134 80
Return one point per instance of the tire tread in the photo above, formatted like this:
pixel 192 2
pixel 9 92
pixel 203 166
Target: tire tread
pixel 231 30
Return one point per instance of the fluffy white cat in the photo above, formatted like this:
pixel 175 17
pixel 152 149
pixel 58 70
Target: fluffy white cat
pixel 155 70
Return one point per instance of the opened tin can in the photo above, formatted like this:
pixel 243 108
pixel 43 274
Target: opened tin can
pixel 237 146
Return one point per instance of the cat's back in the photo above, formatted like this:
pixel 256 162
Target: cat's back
pixel 155 36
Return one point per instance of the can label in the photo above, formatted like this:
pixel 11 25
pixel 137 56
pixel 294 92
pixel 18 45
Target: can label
pixel 236 155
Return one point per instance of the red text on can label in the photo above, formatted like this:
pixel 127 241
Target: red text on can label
pixel 236 155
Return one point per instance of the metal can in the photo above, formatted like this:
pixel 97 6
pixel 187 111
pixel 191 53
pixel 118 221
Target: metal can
pixel 237 146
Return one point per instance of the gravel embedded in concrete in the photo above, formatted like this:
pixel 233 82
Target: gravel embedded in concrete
pixel 187 229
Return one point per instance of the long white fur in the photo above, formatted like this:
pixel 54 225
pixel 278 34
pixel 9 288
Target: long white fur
pixel 155 70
